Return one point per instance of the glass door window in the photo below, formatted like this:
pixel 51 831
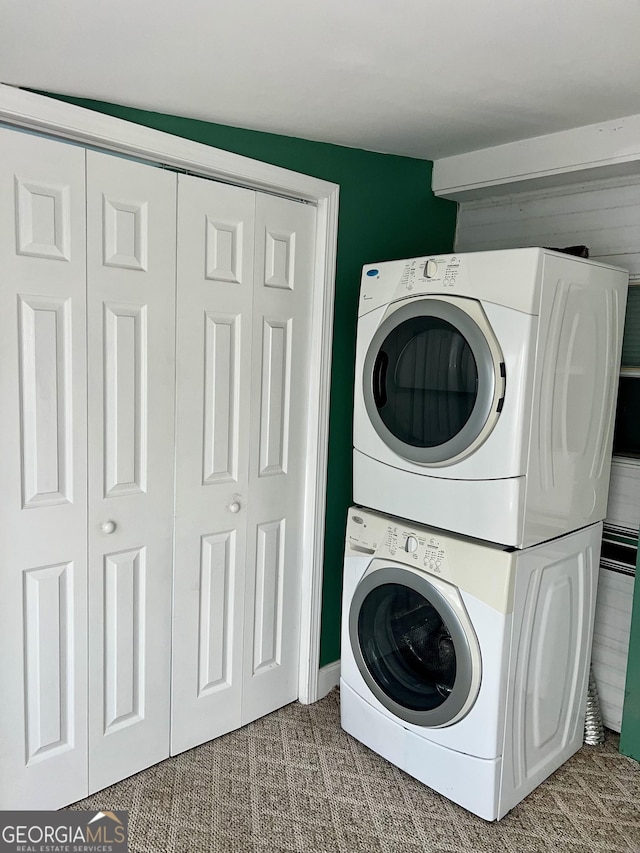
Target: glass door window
pixel 412 647
pixel 407 647
pixel 425 381
pixel 430 381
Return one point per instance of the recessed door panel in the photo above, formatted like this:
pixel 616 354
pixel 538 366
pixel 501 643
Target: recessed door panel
pixel 43 471
pixel 43 219
pixel 221 395
pixel 124 638
pixel 131 327
pixel 279 260
pixel 126 233
pixel 276 396
pixel 46 400
pixel 126 392
pixel 267 629
pixel 49 652
pixel 217 573
pixel 225 250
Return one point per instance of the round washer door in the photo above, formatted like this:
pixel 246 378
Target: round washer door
pixel 432 380
pixel 414 647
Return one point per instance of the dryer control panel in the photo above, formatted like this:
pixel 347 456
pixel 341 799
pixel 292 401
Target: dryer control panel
pixel 387 282
pixel 443 269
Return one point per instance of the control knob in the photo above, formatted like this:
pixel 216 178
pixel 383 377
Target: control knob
pixel 411 544
pixel 430 269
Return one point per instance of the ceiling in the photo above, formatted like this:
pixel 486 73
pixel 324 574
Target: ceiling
pixel 424 78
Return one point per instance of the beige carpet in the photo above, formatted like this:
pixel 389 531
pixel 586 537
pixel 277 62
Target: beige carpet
pixel 294 781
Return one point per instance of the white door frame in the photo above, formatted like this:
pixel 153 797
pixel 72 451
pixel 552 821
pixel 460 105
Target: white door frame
pixel 55 118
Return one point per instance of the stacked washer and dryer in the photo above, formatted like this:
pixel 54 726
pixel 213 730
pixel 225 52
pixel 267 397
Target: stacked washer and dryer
pixel 483 425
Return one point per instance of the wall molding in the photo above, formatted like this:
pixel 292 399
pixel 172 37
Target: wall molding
pixel 328 678
pixel 605 150
pixel 39 114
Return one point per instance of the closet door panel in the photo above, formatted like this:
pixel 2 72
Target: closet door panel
pixel 131 211
pixel 285 234
pixel 43 468
pixel 215 290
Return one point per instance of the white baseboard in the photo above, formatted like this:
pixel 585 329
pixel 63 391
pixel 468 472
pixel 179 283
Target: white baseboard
pixel 328 678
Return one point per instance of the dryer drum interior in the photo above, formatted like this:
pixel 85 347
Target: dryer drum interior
pixel 425 381
pixel 430 380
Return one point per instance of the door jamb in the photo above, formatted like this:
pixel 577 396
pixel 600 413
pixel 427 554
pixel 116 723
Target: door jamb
pixel 40 114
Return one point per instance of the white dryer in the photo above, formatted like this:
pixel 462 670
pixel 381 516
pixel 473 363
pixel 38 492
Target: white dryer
pixel 466 664
pixel 485 391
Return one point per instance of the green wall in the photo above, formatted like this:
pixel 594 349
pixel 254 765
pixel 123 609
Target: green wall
pixel 387 210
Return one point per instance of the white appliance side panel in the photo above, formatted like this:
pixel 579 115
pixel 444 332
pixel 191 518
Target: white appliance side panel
pixel 470 782
pixel 131 327
pixel 485 509
pixel 581 325
pixel 215 295
pixel 553 626
pixel 611 631
pixel 43 470
pixel 504 452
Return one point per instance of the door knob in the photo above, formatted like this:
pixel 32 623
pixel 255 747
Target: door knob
pixel 234 507
pixel 108 526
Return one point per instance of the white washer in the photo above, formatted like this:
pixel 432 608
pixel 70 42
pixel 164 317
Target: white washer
pixel 464 663
pixel 485 391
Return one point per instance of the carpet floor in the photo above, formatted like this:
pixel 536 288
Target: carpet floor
pixel 294 781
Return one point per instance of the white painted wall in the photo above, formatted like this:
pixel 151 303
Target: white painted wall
pixel 605 216
pixel 611 643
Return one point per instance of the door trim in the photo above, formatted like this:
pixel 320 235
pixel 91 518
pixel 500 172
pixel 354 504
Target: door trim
pixel 27 111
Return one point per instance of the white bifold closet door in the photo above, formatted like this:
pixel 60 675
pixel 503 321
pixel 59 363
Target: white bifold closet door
pixel 131 239
pixel 43 471
pixel 93 298
pixel 245 264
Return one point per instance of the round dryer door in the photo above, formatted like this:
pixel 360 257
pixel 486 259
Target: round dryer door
pixel 433 379
pixel 414 646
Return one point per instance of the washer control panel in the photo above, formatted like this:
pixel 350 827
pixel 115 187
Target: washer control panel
pixel 419 549
pixel 383 537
